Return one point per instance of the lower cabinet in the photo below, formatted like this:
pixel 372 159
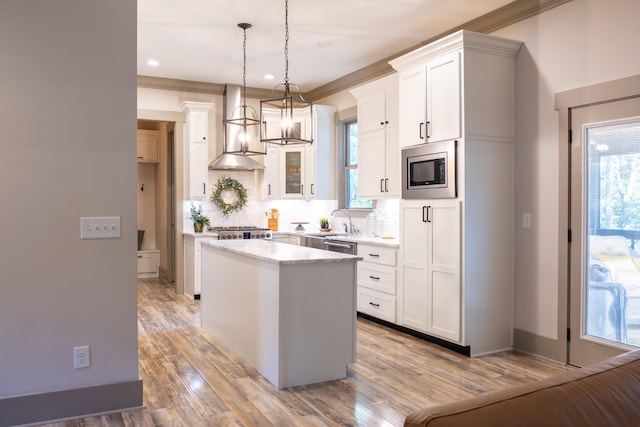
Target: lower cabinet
pixel 377 281
pixel 192 265
pixel 148 263
pixel 431 290
pixel 287 238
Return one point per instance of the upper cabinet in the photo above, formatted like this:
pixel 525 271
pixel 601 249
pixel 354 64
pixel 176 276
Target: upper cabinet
pixel 148 143
pixel 378 151
pixel 303 171
pixel 196 147
pixel 457 87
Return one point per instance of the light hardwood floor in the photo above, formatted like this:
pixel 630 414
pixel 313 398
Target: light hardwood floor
pixel 191 379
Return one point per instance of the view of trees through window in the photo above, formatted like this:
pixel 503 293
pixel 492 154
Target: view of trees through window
pixel 351 168
pixel 614 153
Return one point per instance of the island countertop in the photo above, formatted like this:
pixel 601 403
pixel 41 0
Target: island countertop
pixel 279 253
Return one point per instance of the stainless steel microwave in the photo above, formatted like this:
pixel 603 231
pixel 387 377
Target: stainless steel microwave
pixel 429 171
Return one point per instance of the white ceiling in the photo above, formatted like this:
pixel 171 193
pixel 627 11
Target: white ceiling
pixel 199 40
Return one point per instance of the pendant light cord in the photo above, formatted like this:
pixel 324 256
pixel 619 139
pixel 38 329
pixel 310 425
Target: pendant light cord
pixel 286 45
pixel 244 68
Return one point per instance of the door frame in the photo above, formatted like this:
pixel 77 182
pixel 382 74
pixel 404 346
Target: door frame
pixel 178 171
pixel 611 91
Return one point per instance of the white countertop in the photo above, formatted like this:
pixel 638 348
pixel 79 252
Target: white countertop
pixel 280 253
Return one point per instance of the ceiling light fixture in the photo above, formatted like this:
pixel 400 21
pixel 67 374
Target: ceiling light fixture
pixel 289 119
pixel 241 125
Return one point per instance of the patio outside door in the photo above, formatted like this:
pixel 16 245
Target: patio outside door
pixel 604 295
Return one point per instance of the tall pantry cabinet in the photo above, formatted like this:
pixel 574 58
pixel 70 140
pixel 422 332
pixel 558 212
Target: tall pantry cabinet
pixel 456 280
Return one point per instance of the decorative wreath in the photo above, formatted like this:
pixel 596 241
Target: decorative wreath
pixel 228 184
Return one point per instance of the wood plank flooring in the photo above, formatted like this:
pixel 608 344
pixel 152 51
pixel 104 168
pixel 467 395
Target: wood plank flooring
pixel 191 379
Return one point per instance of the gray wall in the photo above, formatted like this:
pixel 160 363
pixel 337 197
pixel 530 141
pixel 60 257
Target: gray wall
pixel 68 109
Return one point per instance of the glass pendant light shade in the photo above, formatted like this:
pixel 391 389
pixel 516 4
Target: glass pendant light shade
pixel 288 119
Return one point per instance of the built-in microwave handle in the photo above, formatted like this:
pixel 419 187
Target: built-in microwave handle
pixel 425 213
pixel 420 129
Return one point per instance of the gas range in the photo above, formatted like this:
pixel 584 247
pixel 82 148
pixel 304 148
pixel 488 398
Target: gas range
pixel 240 232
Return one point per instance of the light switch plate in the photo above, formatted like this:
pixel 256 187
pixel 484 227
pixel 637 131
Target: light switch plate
pixel 107 227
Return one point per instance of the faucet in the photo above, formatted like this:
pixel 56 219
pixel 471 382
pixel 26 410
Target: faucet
pixel 352 229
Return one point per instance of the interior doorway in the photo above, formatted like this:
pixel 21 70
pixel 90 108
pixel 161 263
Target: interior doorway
pixel 604 217
pixel 157 197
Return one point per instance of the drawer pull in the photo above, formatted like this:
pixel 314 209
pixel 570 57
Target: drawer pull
pixel 374 278
pixel 374 304
pixel 139 256
pixel 374 255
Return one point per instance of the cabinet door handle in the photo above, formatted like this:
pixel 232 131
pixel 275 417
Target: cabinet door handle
pixel 428 123
pixel 374 255
pixel 312 189
pixel 374 304
pixel 204 188
pixel 386 122
pixel 268 189
pixel 425 214
pixel 302 189
pixel 386 181
pixel 374 278
pixel 382 185
pixel 420 129
pixel 381 123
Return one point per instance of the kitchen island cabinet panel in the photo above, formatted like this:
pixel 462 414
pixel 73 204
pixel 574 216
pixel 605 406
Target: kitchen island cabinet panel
pixel 288 311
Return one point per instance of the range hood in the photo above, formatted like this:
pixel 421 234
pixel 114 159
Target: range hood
pixel 233 157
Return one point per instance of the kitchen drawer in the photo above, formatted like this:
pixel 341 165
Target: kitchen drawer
pixel 377 254
pixel 377 304
pixel 378 277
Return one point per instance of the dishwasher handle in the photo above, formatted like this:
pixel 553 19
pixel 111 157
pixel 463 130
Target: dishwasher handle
pixel 339 245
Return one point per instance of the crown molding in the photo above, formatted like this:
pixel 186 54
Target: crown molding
pixel 509 14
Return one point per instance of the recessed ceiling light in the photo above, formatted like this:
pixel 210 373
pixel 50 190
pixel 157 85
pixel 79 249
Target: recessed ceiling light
pixel 269 77
pixel 153 63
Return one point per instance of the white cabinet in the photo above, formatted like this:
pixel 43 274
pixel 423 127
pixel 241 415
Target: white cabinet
pixel 412 84
pixel 377 281
pixel 148 146
pixel 378 150
pixel 148 263
pixel 456 274
pixel 192 264
pixel 272 173
pixel 430 295
pixel 196 143
pixel 287 238
pixel 443 98
pixel 303 171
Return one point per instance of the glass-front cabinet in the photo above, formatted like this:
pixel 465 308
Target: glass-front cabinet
pixel 293 170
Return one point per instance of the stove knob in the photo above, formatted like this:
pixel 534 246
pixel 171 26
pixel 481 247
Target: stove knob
pixel 267 235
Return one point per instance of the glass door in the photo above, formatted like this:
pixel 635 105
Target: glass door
pixel 293 171
pixel 604 298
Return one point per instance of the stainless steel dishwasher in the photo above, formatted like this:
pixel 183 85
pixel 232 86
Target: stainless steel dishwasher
pixel 329 244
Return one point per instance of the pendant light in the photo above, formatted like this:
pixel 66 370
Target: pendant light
pixel 241 125
pixel 289 119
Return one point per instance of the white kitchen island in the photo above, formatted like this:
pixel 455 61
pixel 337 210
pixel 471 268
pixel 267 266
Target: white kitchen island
pixel 289 311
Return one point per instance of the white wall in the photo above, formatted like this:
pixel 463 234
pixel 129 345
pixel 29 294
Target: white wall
pixel 68 108
pixel 577 44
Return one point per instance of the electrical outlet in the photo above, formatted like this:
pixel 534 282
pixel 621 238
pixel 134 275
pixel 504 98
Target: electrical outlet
pixel 81 357
pixel 526 220
pixel 100 227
